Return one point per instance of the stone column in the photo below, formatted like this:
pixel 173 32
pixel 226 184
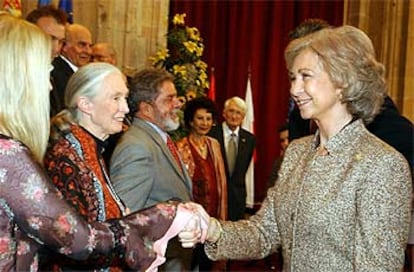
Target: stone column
pixel 387 24
pixel 136 28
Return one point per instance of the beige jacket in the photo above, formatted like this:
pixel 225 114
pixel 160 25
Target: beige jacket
pixel 347 210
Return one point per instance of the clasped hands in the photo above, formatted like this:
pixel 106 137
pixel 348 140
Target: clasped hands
pixel 200 228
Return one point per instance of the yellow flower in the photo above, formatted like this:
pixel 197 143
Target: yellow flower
pixel 201 65
pixel 161 55
pixel 202 84
pixel 182 99
pixel 202 80
pixel 190 46
pixel 180 70
pixel 179 19
pixel 185 64
pixel 203 75
pixel 190 95
pixel 199 50
pixel 193 33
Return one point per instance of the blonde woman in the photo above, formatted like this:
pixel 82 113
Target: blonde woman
pixel 32 212
pixel 343 196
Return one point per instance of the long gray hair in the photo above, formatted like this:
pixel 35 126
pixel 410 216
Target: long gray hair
pixel 87 81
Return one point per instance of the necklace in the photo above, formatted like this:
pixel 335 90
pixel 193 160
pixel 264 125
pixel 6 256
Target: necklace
pixel 200 145
pixel 202 148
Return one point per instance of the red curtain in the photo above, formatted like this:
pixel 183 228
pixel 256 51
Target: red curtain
pixel 243 35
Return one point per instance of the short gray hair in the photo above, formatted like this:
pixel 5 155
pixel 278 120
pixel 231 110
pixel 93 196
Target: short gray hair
pixel 238 102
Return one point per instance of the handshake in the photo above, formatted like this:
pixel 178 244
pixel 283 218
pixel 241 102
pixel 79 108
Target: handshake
pixel 199 228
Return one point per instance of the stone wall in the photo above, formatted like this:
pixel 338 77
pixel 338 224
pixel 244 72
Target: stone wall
pixel 390 25
pixel 136 28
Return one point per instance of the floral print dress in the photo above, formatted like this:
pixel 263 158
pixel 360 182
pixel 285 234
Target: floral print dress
pixel 33 213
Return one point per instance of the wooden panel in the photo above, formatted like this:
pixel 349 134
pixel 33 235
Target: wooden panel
pixel 408 106
pixel 386 23
pixel 136 28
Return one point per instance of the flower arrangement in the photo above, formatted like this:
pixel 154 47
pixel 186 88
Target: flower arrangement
pixel 182 58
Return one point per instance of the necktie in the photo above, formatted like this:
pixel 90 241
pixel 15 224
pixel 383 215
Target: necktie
pixel 231 153
pixel 174 152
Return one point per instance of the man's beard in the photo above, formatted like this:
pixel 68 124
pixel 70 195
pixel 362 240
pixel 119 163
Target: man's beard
pixel 167 122
pixel 170 124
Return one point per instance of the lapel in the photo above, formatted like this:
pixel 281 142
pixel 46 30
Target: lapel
pixel 220 138
pixel 62 66
pixel 241 145
pixel 218 134
pixel 156 137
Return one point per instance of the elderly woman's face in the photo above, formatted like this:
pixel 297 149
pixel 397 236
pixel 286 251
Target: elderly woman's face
pixel 202 122
pixel 109 107
pixel 312 89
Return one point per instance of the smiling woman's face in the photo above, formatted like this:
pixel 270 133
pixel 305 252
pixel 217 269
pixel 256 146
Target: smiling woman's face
pixel 109 107
pixel 202 122
pixel 312 88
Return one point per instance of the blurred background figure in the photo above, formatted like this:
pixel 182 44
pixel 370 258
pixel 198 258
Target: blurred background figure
pixel 284 142
pixel 104 52
pixel 75 53
pixel 52 21
pixel 202 157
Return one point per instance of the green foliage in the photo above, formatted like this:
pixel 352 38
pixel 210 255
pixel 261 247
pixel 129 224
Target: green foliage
pixel 182 58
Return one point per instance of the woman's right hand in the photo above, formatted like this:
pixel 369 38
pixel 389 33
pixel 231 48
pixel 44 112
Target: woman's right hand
pixel 190 235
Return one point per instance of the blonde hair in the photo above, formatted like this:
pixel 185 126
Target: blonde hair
pixel 346 53
pixel 25 56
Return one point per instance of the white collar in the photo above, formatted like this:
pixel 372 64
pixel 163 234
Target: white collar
pixel 228 132
pixel 163 134
pixel 71 65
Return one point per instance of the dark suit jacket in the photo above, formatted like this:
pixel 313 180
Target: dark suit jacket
pixel 394 129
pixel 236 183
pixel 59 76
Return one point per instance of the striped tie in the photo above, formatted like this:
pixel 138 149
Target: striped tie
pixel 174 152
